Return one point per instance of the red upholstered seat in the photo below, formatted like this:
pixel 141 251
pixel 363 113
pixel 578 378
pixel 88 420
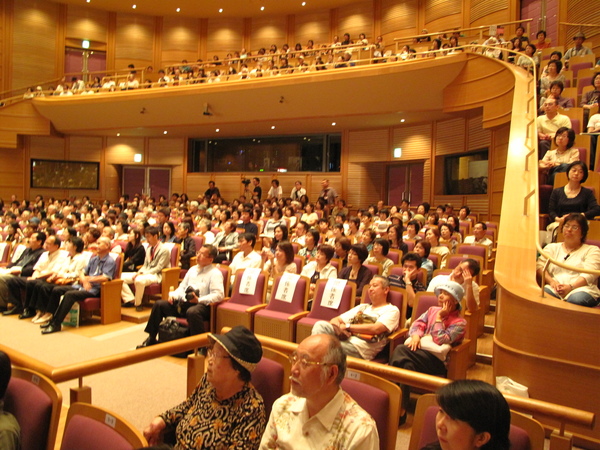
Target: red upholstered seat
pixel 320 312
pixel 278 319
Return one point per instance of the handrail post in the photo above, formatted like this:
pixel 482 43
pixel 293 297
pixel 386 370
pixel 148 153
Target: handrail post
pixel 81 393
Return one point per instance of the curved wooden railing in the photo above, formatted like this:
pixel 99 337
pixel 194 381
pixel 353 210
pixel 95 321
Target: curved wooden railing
pixel 563 415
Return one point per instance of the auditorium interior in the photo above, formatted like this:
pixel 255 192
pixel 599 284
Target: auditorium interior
pixel 378 128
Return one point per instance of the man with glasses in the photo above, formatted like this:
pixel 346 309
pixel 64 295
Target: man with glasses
pixel 318 413
pixel 201 286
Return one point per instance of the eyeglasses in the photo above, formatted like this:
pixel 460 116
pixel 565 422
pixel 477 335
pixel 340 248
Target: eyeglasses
pixel 212 354
pixel 304 362
pixel 572 227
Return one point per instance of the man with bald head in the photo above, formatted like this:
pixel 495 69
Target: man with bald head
pixel 318 413
pixel 99 269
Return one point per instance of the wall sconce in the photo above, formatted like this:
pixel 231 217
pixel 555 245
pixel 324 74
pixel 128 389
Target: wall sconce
pixel 398 152
pixel 137 157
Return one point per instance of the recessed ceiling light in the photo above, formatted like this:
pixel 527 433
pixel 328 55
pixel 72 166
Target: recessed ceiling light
pixel 333 124
pixel 220 10
pixel 401 120
pixel 118 134
pixel 178 9
pixel 273 127
pixel 217 130
pixel 262 8
pixel 303 3
pixel 165 132
pixel 134 6
pixel 87 1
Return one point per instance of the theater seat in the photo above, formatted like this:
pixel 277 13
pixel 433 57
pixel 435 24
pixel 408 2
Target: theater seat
pixel 36 402
pixel 90 427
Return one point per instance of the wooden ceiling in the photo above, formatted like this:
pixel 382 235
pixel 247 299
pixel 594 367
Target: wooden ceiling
pixel 380 95
pixel 211 8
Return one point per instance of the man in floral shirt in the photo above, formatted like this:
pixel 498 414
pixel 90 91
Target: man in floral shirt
pixel 317 413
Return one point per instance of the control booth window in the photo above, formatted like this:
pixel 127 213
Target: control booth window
pixel 466 174
pixel 315 153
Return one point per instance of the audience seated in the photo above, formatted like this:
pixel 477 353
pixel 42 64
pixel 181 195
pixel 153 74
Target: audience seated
pixel 158 257
pixel 549 123
pixel 555 161
pixel 570 285
pixel 463 274
pixel 363 329
pixel 296 421
pixel 320 267
pixel 572 198
pixel 431 336
pixel 479 237
pixel 578 49
pixel 355 270
pixel 225 410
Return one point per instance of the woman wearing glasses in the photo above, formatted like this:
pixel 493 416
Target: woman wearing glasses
pixel 225 410
pixel 568 284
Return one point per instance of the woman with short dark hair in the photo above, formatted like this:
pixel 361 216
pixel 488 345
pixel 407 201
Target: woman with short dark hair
pixel 355 271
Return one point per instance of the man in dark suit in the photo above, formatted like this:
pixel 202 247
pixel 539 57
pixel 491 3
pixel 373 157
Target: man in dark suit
pixel 158 257
pixel 188 245
pixel 23 267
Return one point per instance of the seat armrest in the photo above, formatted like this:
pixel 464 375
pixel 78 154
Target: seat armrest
pixel 459 361
pixel 110 301
pixel 255 308
pixel 170 279
pixel 298 316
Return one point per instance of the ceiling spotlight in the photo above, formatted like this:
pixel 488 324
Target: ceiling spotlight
pixel 134 6
pixel 178 9
pixel 165 132
pixel 401 120
pixel 273 127
pixel 217 130
pixel 87 1
pixel 262 8
pixel 333 124
pixel 220 10
pixel 303 3
pixel 118 134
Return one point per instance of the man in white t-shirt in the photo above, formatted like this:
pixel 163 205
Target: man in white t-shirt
pixel 363 329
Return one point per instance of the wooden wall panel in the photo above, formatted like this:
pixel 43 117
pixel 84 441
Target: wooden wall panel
pixel 481 9
pixel 438 9
pixel 86 23
pixel 313 26
pixel 121 150
pixel 266 31
pixel 415 141
pixel 366 183
pixel 12 176
pixel 477 136
pixel 179 40
pixel 450 137
pixel 166 151
pixel 34 43
pixel 397 15
pixel 224 36
pixel 85 148
pixel 134 40
pixel 46 147
pixel 369 145
pixel 581 11
pixel 355 19
pixel 498 157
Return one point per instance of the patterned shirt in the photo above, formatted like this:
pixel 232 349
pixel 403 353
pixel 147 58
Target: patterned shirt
pixel 202 421
pixel 341 424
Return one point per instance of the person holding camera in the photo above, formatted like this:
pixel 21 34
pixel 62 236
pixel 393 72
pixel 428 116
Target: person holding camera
pixel 202 285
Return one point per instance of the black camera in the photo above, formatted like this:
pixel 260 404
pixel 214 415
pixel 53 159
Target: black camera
pixel 246 182
pixel 189 293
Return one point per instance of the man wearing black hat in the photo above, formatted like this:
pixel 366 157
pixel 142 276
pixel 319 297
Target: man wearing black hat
pixel 225 410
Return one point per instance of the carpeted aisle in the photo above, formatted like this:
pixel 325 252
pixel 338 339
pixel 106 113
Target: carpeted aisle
pixel 138 392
